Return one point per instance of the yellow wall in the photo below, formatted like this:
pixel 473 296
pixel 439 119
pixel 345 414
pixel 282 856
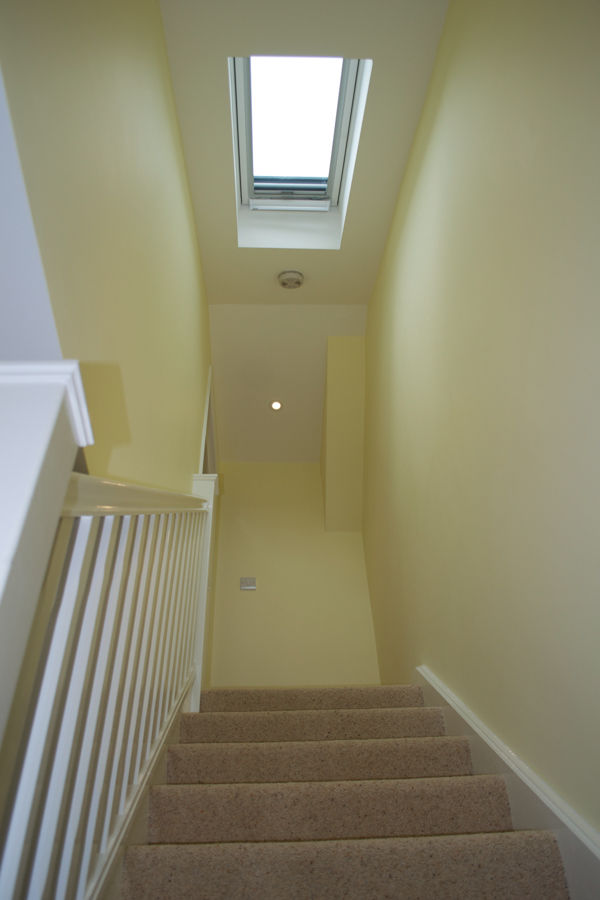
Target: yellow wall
pixel 482 508
pixel 91 101
pixel 309 621
pixel 343 433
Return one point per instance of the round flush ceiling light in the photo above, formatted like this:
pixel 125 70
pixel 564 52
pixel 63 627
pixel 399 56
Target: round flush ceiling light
pixel 291 279
pixel 275 404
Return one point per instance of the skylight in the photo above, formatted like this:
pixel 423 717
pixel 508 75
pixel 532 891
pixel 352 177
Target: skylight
pixel 294 108
pixel 296 124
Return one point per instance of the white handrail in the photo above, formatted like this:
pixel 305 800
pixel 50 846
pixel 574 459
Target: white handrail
pixel 87 495
pixel 124 585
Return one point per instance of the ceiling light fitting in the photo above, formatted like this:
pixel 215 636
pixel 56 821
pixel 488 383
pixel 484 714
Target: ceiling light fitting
pixel 275 404
pixel 290 280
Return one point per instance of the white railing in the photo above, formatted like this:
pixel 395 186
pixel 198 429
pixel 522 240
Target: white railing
pixel 121 598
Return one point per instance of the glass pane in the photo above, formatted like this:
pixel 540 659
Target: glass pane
pixel 294 105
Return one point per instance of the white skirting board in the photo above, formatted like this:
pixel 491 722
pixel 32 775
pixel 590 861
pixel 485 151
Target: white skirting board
pixel 533 803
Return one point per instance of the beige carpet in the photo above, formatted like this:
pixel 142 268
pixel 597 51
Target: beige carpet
pixel 313 794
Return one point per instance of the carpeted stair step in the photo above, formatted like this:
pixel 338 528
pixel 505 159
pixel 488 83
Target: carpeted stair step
pixel 307 811
pixel 318 760
pixel 363 697
pixel 311 725
pixel 354 793
pixel 504 866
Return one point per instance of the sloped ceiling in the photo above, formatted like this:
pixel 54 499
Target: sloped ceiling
pixel 266 349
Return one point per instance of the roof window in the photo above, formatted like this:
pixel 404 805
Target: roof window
pixel 296 123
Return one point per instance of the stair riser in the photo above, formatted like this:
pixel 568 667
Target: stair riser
pixel 469 867
pixel 193 813
pixel 246 699
pixel 311 725
pixel 318 760
pixel 264 822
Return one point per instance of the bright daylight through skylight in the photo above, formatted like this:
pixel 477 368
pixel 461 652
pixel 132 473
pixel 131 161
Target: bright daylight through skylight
pixel 294 105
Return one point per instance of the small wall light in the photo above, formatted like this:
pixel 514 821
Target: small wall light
pixel 275 404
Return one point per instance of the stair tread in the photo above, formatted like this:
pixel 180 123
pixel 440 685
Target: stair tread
pixel 353 696
pixel 272 761
pixel 499 866
pixel 352 793
pixel 311 724
pixel 328 809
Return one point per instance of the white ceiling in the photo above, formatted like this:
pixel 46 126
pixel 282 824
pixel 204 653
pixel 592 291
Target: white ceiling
pixel 264 353
pixel 278 345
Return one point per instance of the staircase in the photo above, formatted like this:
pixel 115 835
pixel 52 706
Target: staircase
pixel 332 793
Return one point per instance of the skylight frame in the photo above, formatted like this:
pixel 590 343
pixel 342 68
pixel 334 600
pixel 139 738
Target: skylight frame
pixel 299 198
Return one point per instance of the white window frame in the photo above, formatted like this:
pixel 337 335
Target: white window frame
pixel 297 221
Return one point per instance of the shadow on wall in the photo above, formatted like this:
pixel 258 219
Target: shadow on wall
pixel 103 384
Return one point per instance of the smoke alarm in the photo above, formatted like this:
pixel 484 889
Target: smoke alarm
pixel 290 280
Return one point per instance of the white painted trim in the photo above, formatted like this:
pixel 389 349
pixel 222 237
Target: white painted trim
pixel 534 804
pixel 206 487
pixel 64 372
pixel 36 459
pixel 207 397
pixel 88 495
pixel 44 418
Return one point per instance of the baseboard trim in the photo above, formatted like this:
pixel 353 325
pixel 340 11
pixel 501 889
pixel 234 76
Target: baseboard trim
pixel 534 803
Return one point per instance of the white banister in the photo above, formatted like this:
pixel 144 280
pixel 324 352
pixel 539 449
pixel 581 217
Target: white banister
pixel 207 487
pixel 124 586
pixel 43 419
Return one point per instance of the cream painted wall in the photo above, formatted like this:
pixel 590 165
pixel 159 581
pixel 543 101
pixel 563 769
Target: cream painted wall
pixel 309 621
pixel 90 96
pixel 343 433
pixel 482 505
pixel 27 328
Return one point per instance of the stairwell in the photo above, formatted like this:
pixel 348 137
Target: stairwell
pixel 355 793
